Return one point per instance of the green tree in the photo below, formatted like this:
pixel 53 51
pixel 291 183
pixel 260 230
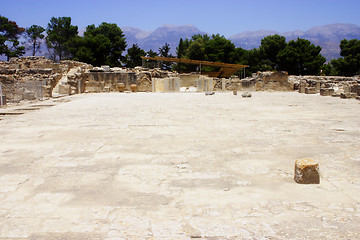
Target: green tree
pixel 180 50
pixel 270 48
pixel 327 70
pixel 151 63
pixel 196 50
pixel 219 49
pixel 301 57
pixel 34 34
pixel 60 33
pixel 349 64
pixel 151 53
pixel 100 45
pixel 9 35
pixel 164 51
pixel 134 56
pixel 181 53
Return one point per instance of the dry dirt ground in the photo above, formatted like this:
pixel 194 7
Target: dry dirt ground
pixel 179 166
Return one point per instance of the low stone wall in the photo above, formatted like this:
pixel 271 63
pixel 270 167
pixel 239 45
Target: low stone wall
pixel 103 81
pixel 327 85
pixel 261 81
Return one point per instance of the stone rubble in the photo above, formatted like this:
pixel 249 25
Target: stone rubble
pixel 307 171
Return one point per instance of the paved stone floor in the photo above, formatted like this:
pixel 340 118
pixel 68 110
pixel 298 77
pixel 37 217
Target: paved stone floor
pixel 179 166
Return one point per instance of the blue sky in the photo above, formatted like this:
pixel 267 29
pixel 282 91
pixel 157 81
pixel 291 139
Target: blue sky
pixel 226 17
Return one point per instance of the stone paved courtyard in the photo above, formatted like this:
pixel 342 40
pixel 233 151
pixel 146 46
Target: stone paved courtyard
pixel 179 166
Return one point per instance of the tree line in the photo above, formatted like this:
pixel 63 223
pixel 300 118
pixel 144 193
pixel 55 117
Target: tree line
pixel 106 44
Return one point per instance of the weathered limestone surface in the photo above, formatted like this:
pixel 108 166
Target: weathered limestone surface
pixel 179 166
pixel 307 171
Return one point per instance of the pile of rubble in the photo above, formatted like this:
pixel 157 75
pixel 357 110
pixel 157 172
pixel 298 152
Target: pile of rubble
pixel 336 86
pixel 29 78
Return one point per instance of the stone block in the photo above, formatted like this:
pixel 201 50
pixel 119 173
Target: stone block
pixel 310 90
pixel 302 86
pixel 64 89
pixel 307 171
pixel 355 89
pixel 2 100
pixel 353 95
pixel 347 95
pixel 28 95
pixel 318 86
pixel 346 88
pixel 326 91
pixel 246 95
pixel 204 84
pixel 106 68
pixel 92 86
pixel 47 91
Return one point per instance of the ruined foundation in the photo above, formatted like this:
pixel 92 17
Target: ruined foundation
pixel 30 78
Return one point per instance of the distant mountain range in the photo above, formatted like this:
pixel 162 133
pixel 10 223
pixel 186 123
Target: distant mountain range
pixel 165 34
pixel 327 36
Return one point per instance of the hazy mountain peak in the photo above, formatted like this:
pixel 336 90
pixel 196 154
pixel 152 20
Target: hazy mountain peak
pixel 136 32
pixel 170 34
pixel 177 26
pixel 258 33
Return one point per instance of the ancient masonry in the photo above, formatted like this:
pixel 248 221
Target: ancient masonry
pixel 30 78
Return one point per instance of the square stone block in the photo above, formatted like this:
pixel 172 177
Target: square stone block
pixel 326 91
pixel 307 171
pixel 310 90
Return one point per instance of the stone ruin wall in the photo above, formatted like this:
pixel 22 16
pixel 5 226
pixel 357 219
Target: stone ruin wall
pixel 261 81
pixel 29 78
pixel 337 86
pixel 109 80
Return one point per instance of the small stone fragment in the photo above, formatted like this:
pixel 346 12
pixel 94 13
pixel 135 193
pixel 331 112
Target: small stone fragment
pixel 307 171
pixel 246 94
pixel 207 93
pixel 234 92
